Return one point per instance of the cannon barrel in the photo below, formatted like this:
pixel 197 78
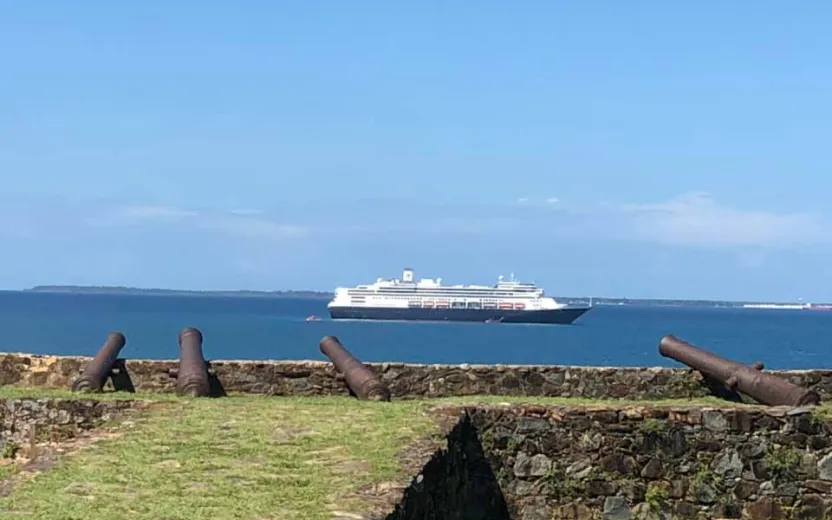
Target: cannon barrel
pixel 750 380
pixel 192 375
pixel 96 372
pixel 360 378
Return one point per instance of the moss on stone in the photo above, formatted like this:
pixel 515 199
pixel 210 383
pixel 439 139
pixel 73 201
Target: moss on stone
pixel 657 496
pixel 782 463
pixel 654 426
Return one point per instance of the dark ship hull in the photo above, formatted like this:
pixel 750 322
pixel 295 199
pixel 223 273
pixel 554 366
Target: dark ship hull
pixel 562 316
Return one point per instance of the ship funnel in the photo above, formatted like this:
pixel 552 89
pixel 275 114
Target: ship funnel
pixel 407 275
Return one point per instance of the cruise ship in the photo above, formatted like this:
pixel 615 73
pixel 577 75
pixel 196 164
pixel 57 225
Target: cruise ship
pixel 508 301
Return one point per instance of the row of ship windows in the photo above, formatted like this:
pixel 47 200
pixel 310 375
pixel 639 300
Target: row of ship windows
pixel 443 295
pixel 408 298
pixel 446 289
pixel 449 288
pixel 461 304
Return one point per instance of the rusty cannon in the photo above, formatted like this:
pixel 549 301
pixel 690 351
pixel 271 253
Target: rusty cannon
pixel 750 380
pixel 360 379
pixel 192 374
pixel 94 375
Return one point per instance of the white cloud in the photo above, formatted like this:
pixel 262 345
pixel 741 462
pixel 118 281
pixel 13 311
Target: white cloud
pixel 130 215
pixel 690 220
pixel 751 259
pixel 240 223
pixel 469 225
pixel 247 266
pixel 696 219
pixel 252 227
pixel 17 230
pixel 138 213
pixel 16 226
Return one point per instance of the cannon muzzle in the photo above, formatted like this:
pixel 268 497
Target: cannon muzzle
pixel 765 388
pixel 96 372
pixel 192 375
pixel 360 378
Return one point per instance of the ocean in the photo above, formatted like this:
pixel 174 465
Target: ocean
pixel 275 328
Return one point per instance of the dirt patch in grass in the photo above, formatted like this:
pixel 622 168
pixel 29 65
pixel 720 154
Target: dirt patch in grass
pixel 42 458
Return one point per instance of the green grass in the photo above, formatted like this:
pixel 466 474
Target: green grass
pixel 234 458
pixel 579 401
pixel 240 457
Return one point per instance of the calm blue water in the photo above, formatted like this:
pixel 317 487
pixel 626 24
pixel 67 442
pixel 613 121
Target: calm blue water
pixel 254 328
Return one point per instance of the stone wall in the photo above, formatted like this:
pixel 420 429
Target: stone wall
pixel 25 421
pixel 308 378
pixel 653 463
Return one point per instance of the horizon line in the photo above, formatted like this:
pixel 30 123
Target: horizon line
pixel 70 288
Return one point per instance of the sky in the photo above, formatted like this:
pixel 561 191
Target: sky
pixel 622 149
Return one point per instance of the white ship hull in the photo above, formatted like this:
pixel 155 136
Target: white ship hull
pixel 562 316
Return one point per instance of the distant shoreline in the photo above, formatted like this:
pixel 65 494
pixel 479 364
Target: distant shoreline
pixel 135 291
pixel 323 295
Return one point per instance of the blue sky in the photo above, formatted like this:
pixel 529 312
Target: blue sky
pixel 646 149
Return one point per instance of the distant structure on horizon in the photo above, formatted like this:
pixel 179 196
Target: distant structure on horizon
pixel 789 306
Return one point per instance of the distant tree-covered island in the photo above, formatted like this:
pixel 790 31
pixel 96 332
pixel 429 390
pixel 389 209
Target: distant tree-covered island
pixel 656 302
pixel 666 302
pixel 86 289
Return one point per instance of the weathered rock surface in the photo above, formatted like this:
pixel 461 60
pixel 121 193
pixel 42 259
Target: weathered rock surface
pixel 581 463
pixel 308 378
pixel 26 421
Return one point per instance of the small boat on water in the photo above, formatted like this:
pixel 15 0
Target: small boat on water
pixel 313 318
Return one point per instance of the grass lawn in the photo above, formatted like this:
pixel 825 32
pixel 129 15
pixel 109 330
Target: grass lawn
pixel 239 457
